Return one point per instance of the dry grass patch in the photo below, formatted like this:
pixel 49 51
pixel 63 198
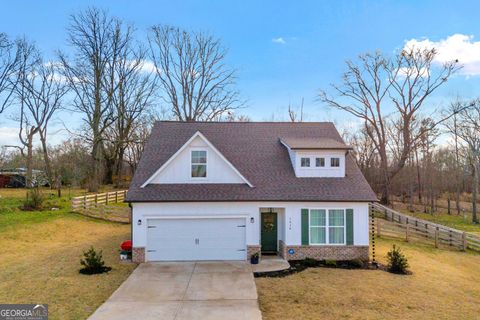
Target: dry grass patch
pixel 40 263
pixel 444 285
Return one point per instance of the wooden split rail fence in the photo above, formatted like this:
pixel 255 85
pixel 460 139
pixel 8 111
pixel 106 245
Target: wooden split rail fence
pixel 399 225
pixel 107 206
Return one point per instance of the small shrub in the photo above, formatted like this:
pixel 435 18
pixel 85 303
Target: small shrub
pixel 397 261
pixel 311 263
pixel 34 200
pixel 93 263
pixel 355 264
pixel 331 263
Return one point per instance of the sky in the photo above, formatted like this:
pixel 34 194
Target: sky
pixel 283 50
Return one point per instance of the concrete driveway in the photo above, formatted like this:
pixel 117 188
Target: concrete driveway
pixel 185 290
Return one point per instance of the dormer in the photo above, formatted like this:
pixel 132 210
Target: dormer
pixel 319 157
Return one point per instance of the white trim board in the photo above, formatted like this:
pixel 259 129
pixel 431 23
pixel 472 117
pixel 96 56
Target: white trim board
pixel 201 136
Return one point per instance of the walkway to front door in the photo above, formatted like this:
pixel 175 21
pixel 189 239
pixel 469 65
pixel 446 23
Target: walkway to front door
pixel 185 290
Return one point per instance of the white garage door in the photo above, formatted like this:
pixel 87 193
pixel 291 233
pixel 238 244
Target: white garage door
pixel 196 239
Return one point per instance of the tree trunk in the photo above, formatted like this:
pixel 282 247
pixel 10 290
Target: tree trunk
pixel 109 170
pixel 46 159
pixel 119 167
pixel 28 177
pixel 475 191
pixel 96 175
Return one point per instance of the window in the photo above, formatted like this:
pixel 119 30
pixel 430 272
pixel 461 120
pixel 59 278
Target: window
pixel 318 229
pixel 336 226
pixel 320 162
pixel 327 228
pixel 334 162
pixel 305 162
pixel 199 164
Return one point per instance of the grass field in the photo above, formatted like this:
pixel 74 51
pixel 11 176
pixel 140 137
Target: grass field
pixel 41 253
pixel 444 285
pixel 461 222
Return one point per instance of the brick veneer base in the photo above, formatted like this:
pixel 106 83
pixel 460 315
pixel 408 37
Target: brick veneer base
pixel 324 252
pixel 253 249
pixel 138 254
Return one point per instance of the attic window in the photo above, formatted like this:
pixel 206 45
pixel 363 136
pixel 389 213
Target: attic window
pixel 320 162
pixel 334 162
pixel 199 164
pixel 305 162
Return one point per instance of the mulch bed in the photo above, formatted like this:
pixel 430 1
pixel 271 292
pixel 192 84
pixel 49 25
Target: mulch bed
pixel 301 265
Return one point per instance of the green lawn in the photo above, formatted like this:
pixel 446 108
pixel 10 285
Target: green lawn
pixel 453 220
pixel 41 253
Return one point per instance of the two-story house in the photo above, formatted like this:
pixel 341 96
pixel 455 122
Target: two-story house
pixel 225 190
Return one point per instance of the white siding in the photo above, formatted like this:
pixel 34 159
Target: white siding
pixel 179 170
pixel 314 171
pixel 289 219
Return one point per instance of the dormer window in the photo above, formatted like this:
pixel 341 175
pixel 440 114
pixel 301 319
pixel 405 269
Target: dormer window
pixel 305 162
pixel 320 162
pixel 199 163
pixel 334 162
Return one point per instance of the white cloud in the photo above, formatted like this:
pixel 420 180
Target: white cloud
pixel 455 47
pixel 279 40
pixel 8 136
pixel 148 66
pixel 422 72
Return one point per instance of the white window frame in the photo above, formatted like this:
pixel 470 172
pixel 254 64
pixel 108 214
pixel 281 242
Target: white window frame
pixel 309 162
pixel 191 164
pixel 324 162
pixel 339 162
pixel 327 228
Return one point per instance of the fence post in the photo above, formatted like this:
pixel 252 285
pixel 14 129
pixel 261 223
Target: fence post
pixel 106 197
pixel 85 202
pixel 96 199
pixel 464 241
pixel 436 237
pixel 116 196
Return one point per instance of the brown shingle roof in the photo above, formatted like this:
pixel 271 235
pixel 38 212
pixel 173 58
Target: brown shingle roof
pixel 314 143
pixel 254 148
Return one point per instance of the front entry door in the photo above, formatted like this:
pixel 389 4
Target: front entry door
pixel 269 232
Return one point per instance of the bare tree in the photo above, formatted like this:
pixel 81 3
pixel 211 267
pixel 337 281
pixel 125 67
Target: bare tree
pixel 132 99
pixel 192 73
pixel 28 61
pixel 43 94
pixel 138 138
pixel 9 62
pixel 295 115
pixel 389 93
pixel 467 129
pixel 97 41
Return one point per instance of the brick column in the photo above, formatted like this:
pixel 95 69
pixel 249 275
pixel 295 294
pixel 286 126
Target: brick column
pixel 138 254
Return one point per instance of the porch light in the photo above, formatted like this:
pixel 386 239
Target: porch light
pixel 139 222
pixel 252 220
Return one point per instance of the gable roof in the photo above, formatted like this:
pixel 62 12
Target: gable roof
pixel 319 143
pixel 185 145
pixel 255 150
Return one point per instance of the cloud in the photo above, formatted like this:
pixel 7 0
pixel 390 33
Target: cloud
pixel 8 136
pixel 279 40
pixel 148 66
pixel 457 46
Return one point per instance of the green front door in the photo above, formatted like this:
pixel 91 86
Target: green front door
pixel 269 232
